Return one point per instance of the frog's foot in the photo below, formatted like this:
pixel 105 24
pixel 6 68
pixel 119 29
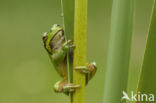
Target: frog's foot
pixel 89 70
pixel 68 44
pixel 69 88
pixel 82 69
pixel 65 87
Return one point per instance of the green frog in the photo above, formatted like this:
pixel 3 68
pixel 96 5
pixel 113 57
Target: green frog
pixel 57 48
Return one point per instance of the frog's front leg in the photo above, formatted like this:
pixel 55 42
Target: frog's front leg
pixel 58 56
pixel 67 45
pixel 65 87
pixel 89 70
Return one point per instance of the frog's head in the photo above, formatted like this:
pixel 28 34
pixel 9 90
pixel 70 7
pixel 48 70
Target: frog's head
pixel 53 39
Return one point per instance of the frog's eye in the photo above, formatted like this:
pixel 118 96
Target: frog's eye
pixel 45 36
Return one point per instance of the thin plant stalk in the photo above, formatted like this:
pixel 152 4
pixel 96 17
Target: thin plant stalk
pixel 68 23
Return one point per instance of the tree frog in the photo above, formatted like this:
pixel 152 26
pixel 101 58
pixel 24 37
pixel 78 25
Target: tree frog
pixel 57 48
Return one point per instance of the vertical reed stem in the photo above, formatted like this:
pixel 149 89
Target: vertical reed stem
pixel 80 32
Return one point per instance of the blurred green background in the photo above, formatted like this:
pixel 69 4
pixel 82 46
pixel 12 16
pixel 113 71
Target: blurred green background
pixel 26 73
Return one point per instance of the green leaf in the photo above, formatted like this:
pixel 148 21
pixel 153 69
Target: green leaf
pixel 68 20
pixel 68 14
pixel 147 84
pixel 119 51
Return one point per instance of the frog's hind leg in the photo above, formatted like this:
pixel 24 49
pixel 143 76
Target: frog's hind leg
pixel 89 70
pixel 65 87
pixel 69 88
pixel 58 87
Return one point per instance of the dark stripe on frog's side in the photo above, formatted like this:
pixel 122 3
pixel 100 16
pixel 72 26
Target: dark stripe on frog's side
pixel 45 45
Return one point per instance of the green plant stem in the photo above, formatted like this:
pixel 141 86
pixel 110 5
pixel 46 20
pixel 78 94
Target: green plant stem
pixel 147 82
pixel 68 20
pixel 119 50
pixel 80 31
pixel 68 16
